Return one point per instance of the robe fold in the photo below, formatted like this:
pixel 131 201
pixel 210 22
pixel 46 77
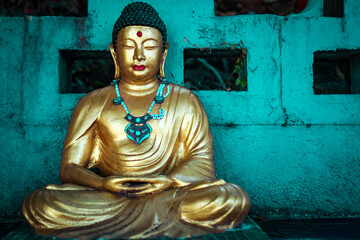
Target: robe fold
pixel 179 146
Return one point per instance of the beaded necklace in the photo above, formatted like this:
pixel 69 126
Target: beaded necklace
pixel 138 129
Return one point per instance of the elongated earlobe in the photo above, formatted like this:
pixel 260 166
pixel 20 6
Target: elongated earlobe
pixel 162 64
pixel 117 68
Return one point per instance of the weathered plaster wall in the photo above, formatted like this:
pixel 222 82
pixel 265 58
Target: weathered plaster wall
pixel 296 153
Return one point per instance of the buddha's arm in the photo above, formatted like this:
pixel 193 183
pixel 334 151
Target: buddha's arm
pixel 196 143
pixel 79 142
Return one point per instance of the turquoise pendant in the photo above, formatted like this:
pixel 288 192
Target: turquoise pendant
pixel 117 100
pixel 159 99
pixel 138 133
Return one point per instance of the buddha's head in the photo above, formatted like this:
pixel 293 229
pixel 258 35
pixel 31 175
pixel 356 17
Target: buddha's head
pixel 139 46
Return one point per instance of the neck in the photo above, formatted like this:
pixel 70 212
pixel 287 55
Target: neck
pixel 139 88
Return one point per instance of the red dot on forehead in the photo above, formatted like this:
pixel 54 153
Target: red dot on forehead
pixel 139 33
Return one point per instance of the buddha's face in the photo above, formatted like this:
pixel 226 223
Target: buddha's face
pixel 139 52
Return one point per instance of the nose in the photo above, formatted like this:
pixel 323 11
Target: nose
pixel 139 54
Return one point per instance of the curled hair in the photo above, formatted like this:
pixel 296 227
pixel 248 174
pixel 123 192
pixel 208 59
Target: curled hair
pixel 139 13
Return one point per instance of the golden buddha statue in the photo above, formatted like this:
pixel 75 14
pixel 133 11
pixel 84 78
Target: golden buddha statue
pixel 155 172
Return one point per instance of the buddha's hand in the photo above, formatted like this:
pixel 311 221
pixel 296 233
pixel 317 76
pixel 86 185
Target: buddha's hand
pixel 136 186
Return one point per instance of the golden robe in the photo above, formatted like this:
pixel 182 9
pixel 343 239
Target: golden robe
pixel 179 146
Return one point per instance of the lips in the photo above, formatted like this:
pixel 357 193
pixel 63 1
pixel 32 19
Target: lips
pixel 138 67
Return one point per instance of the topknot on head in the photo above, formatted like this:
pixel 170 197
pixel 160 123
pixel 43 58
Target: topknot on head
pixel 139 13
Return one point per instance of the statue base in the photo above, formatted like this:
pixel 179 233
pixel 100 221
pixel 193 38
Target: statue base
pixel 248 230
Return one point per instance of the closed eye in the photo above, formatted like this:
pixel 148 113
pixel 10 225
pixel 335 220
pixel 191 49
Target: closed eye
pixel 150 44
pixel 150 47
pixel 128 44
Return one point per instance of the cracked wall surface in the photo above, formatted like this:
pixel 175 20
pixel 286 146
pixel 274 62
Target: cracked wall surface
pixel 297 154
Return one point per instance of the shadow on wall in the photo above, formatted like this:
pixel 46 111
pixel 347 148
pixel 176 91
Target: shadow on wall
pixel 278 7
pixel 326 8
pixel 20 8
pixel 79 8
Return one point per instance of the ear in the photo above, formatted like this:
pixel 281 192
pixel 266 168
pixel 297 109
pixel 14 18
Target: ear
pixel 117 68
pixel 162 64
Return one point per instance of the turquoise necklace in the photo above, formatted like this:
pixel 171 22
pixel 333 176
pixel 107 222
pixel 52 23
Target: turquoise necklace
pixel 138 129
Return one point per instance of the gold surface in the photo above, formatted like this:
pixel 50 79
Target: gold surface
pixel 164 187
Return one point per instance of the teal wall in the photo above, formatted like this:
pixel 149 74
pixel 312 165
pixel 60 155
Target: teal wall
pixel 295 153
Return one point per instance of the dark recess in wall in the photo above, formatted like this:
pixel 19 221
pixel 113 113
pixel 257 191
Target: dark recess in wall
pixel 20 8
pixel 336 72
pixel 334 8
pixel 83 71
pixel 215 69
